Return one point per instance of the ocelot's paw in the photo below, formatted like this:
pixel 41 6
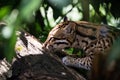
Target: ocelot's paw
pixel 70 61
pixel 76 62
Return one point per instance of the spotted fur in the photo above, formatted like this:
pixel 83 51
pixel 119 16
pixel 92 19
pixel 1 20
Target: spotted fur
pixel 91 38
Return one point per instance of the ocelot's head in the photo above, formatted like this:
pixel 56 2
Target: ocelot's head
pixel 61 36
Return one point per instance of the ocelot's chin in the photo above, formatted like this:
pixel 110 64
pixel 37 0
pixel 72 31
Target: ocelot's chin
pixel 60 48
pixel 66 47
pixel 56 49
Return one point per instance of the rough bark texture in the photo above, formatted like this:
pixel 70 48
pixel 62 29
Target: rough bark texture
pixel 34 63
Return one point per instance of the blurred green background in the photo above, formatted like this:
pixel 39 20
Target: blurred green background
pixel 39 16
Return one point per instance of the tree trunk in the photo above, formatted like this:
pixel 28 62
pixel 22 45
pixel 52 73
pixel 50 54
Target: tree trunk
pixel 34 63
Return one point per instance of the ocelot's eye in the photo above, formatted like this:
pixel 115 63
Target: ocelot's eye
pixel 91 45
pixel 68 31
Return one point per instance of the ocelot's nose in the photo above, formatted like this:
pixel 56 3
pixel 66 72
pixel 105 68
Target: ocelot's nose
pixel 49 47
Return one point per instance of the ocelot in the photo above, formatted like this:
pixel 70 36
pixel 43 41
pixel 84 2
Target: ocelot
pixel 91 38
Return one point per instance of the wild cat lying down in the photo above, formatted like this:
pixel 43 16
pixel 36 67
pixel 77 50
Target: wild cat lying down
pixel 91 38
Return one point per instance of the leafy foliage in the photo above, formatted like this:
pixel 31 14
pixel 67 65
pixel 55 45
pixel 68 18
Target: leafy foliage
pixel 38 17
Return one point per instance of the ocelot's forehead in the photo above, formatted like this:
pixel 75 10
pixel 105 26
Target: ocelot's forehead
pixel 61 30
pixel 58 31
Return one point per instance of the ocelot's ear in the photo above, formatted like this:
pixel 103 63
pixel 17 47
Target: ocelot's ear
pixel 70 28
pixel 65 19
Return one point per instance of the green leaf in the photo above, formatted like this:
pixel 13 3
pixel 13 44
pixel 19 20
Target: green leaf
pixel 28 7
pixel 4 11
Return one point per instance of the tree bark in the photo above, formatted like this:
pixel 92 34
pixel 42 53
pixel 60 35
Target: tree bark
pixel 34 63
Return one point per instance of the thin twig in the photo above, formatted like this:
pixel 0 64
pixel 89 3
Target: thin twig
pixel 67 12
pixel 48 24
